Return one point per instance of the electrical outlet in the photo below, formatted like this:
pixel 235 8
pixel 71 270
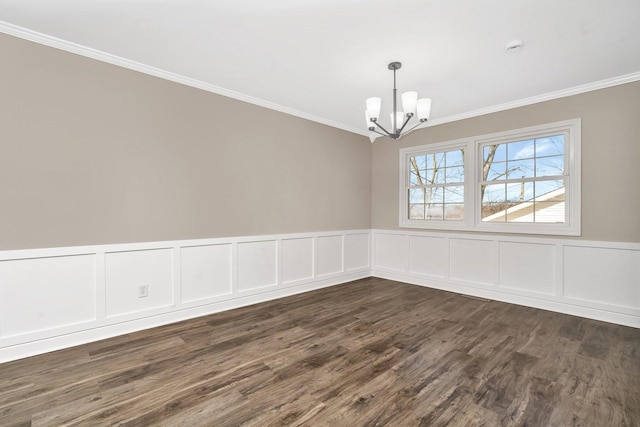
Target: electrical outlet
pixel 143 291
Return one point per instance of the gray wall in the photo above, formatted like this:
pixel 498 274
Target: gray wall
pixel 610 157
pixel 92 153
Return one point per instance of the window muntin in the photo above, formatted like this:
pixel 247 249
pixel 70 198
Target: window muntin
pixel 436 186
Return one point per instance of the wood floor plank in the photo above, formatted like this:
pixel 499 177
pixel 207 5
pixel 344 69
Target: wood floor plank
pixel 367 353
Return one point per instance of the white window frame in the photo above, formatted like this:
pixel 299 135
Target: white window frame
pixel 472 173
pixel 405 170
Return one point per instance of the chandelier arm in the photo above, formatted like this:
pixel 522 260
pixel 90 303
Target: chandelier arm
pixel 404 124
pixel 383 129
pixel 379 133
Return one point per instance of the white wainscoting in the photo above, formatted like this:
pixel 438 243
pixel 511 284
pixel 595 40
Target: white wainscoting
pixel 598 280
pixel 60 297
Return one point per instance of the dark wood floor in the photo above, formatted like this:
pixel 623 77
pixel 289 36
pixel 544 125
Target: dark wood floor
pixel 371 352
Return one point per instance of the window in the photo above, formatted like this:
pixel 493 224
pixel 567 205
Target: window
pixel 521 181
pixel 436 186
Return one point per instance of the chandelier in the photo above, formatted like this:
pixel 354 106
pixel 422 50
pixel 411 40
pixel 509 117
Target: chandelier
pixel 411 105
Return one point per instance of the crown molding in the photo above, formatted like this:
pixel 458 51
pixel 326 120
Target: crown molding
pixel 549 96
pixel 88 52
pixel 34 36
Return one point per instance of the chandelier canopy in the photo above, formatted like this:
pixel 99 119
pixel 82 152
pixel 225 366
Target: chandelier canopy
pixel 411 105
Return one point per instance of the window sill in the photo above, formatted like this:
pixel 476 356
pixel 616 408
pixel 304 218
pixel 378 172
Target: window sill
pixel 506 228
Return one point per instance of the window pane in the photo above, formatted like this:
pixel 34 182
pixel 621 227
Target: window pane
pixel 520 213
pixel 416 195
pixel 454 158
pixel 520 192
pixel 417 170
pixel 434 160
pixel 493 212
pixel 521 150
pixel 434 176
pixel 435 211
pixel 496 171
pixel 550 146
pixel 416 211
pixel 454 212
pixel 550 166
pixel 550 201
pixel 434 195
pixel 494 202
pixel 415 178
pixel 546 189
pixel 493 193
pixel 499 152
pixel 429 161
pixel 519 206
pixel 454 174
pixel 520 169
pixel 550 212
pixel 420 162
pixel 454 194
pixel 412 165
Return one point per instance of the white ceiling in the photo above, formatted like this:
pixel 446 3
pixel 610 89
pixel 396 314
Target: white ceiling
pixel 321 59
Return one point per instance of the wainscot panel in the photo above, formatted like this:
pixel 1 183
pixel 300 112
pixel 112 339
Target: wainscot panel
pixel 391 251
pixel 356 251
pixel 528 267
pixel 205 272
pixel 330 258
pixel 473 260
pixel 41 294
pixel 137 281
pixel 602 275
pixel 60 297
pixel 257 265
pixel 429 256
pixel 297 260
